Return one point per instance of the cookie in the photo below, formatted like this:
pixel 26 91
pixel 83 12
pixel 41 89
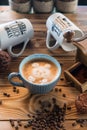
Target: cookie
pixel 5 60
pixel 81 103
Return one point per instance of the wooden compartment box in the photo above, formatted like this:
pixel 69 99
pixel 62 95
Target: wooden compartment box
pixel 77 76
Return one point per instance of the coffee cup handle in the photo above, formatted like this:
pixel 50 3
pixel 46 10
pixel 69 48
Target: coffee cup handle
pixel 56 44
pixel 20 53
pixel 11 77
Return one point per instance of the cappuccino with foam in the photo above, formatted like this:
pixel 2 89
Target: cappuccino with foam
pixel 39 71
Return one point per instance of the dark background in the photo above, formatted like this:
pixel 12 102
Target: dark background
pixel 81 2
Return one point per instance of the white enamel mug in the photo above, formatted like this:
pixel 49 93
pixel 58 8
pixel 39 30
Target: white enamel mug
pixel 14 33
pixel 57 24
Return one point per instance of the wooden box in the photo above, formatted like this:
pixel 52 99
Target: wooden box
pixel 77 76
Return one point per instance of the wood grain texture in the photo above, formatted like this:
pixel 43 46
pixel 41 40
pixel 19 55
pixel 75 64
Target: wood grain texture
pixel 19 104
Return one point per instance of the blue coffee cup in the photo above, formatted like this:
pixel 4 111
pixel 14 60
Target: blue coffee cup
pixel 33 87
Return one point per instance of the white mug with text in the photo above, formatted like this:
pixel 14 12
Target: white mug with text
pixel 14 33
pixel 57 24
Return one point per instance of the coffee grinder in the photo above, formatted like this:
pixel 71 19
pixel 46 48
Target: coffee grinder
pixel 77 73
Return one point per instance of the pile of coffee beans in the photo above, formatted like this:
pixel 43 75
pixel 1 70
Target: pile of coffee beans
pixel 45 118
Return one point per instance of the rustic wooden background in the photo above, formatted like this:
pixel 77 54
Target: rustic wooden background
pixel 21 103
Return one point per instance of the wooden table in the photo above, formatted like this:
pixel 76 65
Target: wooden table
pixel 19 104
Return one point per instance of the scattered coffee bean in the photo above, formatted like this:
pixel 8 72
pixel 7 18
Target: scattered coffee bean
pixel 14 87
pixel 6 94
pixel 74 124
pixel 79 120
pixel 0 102
pixel 26 126
pixel 12 123
pixel 81 125
pixel 69 108
pixel 64 95
pixel 39 101
pixel 54 100
pixel 85 123
pixel 16 127
pixel 28 115
pixel 14 90
pixel 56 90
pixel 45 104
pixel 60 90
pixel 63 129
pixel 61 64
pixel 62 79
pixel 19 122
pixel 64 107
pixel 17 91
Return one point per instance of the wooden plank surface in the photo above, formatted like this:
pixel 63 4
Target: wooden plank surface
pixel 21 103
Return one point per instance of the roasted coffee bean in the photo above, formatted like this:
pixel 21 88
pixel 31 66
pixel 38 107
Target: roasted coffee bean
pixel 56 90
pixel 81 125
pixel 19 122
pixel 69 108
pixel 62 79
pixel 45 104
pixel 64 106
pixel 14 90
pixel 39 101
pixel 28 115
pixel 64 95
pixel 54 100
pixel 63 129
pixel 61 64
pixel 74 124
pixel 0 102
pixel 6 94
pixel 60 90
pixel 79 120
pixel 16 128
pixel 17 91
pixel 12 123
pixel 14 87
pixel 26 126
